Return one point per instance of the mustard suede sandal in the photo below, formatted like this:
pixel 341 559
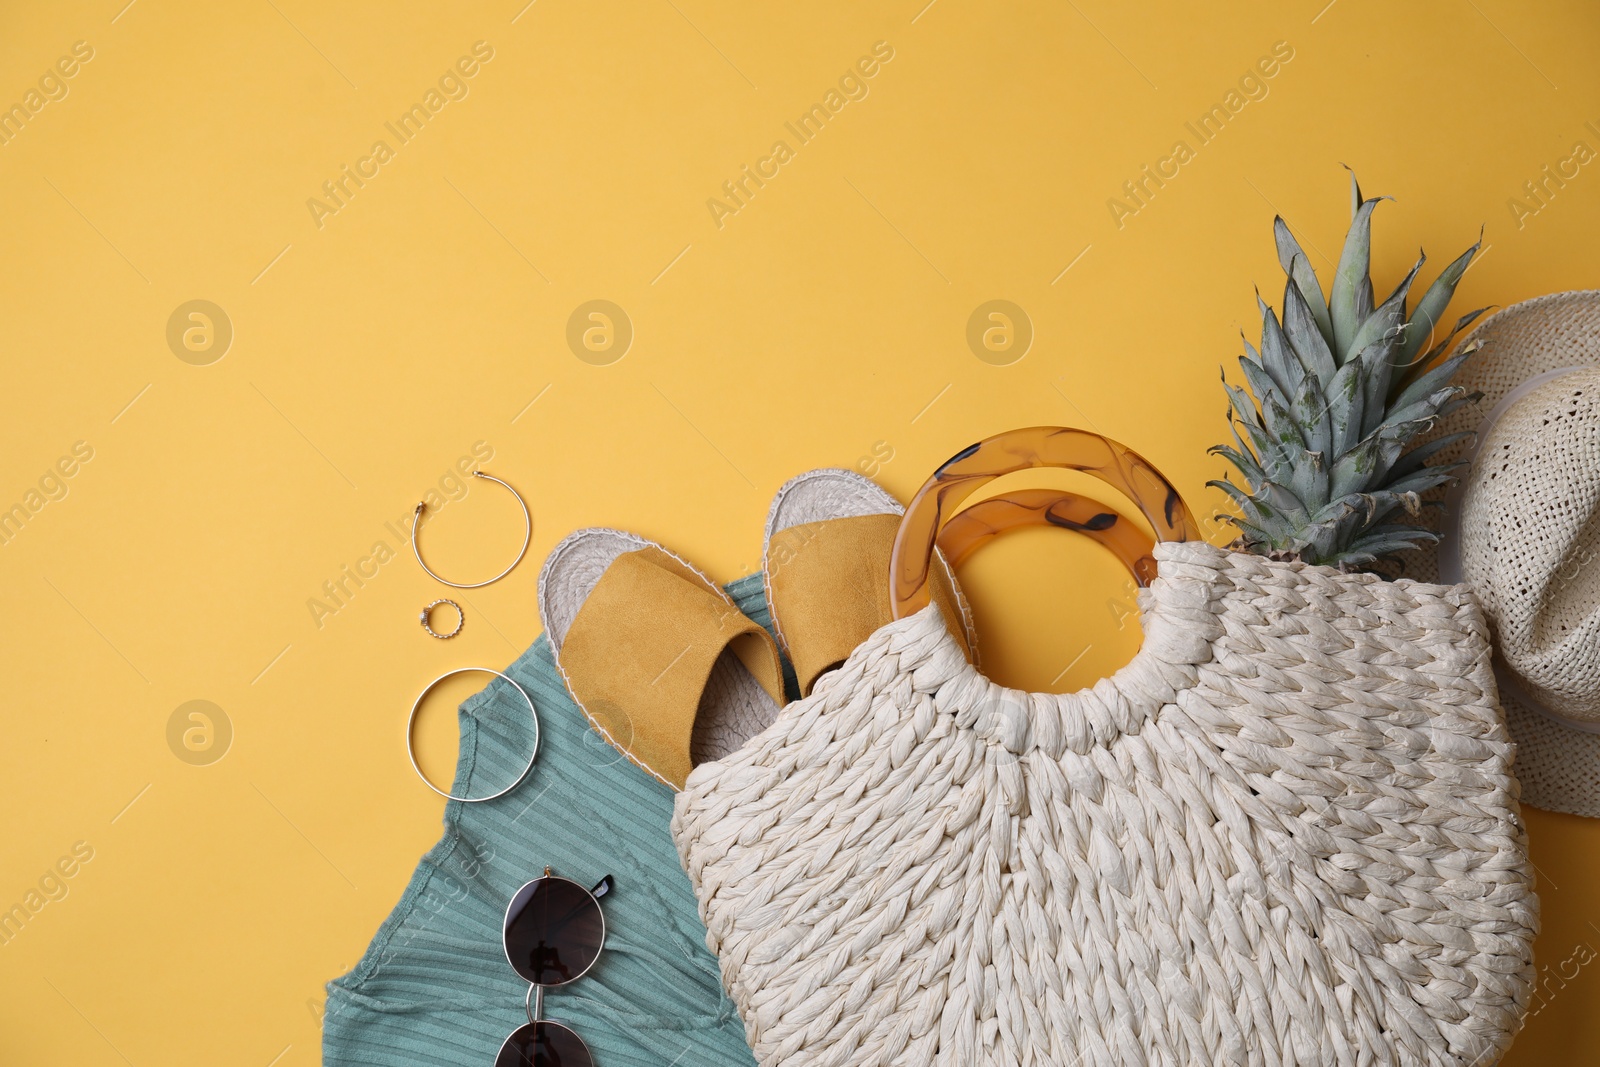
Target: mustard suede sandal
pixel 825 567
pixel 661 661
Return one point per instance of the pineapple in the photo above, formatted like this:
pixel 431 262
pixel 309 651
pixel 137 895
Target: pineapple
pixel 1341 389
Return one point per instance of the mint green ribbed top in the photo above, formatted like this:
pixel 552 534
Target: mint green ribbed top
pixel 434 986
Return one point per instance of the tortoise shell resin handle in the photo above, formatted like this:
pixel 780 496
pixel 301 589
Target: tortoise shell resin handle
pixel 1036 446
pixel 976 525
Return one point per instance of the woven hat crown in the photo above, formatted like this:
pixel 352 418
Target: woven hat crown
pixel 1530 541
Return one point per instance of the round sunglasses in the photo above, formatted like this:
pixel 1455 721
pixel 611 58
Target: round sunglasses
pixel 554 932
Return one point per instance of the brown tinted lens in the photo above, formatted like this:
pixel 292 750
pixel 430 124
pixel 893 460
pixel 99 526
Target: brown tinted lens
pixel 543 1044
pixel 554 930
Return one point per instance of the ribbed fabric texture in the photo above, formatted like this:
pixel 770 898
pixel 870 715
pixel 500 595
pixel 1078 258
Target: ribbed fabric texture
pixel 434 986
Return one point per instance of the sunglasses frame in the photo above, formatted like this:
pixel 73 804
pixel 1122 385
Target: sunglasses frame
pixel 533 1002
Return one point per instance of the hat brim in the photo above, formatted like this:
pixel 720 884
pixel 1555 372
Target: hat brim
pixel 1558 764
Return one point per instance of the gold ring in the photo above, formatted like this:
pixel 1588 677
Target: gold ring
pixel 461 619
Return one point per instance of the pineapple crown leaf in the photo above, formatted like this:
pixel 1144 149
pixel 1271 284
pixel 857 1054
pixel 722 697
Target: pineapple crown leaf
pixel 1355 187
pixel 1426 316
pixel 1338 391
pixel 1351 300
pixel 1225 516
pixel 1410 371
pixel 1305 335
pixel 1431 381
pixel 1297 266
pixel 1417 458
pixel 1387 322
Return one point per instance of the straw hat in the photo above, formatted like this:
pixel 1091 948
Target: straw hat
pixel 1523 530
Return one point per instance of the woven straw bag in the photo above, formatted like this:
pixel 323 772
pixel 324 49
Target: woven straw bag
pixel 1285 833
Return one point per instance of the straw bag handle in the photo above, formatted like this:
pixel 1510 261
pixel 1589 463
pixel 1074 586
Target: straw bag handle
pixel 977 524
pixel 1037 446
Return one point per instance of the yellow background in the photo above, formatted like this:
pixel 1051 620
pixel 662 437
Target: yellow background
pixel 828 315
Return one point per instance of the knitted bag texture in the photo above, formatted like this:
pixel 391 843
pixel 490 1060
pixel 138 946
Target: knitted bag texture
pixel 1286 833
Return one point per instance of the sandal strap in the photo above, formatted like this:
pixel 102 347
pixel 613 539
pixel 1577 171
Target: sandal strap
pixel 640 651
pixel 829 586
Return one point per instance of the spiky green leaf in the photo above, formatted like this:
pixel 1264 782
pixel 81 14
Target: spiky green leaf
pixel 1240 497
pixel 1297 266
pixel 1280 503
pixel 1444 346
pixel 1245 410
pixel 1256 515
pixel 1305 338
pixel 1416 458
pixel 1280 425
pixel 1421 413
pixel 1420 481
pixel 1346 407
pixel 1426 384
pixel 1434 301
pixel 1364 305
pixel 1409 372
pixel 1314 424
pixel 1340 394
pixel 1387 321
pixel 1257 378
pixel 1365 464
pixel 1277 356
pixel 1376 366
pixel 1382 541
pixel 1241 459
pixel 1271 461
pixel 1350 279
